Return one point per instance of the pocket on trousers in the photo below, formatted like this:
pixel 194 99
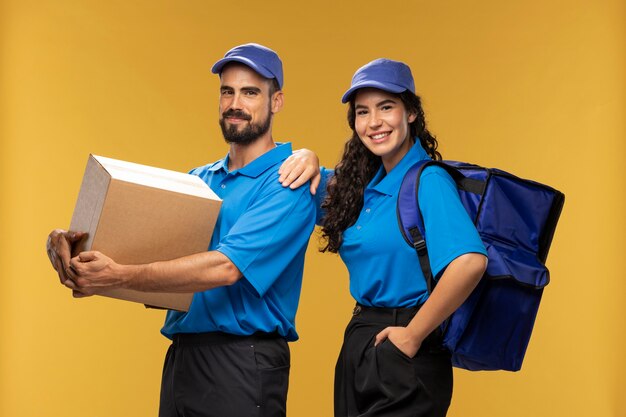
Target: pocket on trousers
pixel 385 381
pixel 394 367
pixel 272 360
pixel 273 386
pixel 396 349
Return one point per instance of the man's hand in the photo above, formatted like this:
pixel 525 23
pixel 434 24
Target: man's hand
pixel 59 248
pixel 301 166
pixel 402 338
pixel 93 271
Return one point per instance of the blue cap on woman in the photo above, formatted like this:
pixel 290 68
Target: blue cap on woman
pixel 384 74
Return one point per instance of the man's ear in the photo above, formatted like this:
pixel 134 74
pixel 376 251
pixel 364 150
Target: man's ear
pixel 277 101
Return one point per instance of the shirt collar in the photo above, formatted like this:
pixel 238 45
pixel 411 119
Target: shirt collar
pixel 260 164
pixel 388 183
pixel 216 166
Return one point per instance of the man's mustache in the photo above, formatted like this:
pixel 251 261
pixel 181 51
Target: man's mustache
pixel 238 114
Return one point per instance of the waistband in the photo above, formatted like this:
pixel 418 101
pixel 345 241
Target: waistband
pixel 210 338
pixel 385 315
pixel 397 317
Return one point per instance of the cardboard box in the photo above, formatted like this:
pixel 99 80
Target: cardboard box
pixel 138 214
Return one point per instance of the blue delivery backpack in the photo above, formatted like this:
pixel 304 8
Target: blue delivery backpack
pixel 516 220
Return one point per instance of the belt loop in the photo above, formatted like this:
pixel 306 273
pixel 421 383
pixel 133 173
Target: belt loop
pixel 395 316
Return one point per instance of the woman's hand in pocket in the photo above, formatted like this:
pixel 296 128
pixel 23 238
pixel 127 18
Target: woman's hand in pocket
pixel 402 338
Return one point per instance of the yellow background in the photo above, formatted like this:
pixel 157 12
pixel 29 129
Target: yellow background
pixel 536 87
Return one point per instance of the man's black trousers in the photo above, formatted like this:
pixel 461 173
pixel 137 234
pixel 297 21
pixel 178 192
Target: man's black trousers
pixel 223 375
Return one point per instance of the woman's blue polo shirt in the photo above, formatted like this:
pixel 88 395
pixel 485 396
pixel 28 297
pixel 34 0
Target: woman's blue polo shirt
pixel 263 228
pixel 384 270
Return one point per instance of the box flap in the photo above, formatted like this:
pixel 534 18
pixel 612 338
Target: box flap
pixel 163 179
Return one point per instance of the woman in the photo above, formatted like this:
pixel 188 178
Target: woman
pixel 392 362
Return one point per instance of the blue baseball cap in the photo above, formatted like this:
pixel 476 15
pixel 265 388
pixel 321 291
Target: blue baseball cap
pixel 258 57
pixel 384 74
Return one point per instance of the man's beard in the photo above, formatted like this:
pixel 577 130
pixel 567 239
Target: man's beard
pixel 247 134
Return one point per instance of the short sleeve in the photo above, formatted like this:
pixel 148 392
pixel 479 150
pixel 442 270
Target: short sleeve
pixel 269 235
pixel 449 231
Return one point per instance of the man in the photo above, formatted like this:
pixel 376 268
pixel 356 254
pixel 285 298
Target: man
pixel 229 355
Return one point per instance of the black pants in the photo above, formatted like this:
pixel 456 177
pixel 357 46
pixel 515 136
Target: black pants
pixel 222 375
pixel 382 381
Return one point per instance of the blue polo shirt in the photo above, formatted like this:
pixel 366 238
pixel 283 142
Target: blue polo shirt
pixel 384 270
pixel 263 228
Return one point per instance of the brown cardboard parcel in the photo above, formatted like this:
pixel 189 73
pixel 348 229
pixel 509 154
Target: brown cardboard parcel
pixel 139 214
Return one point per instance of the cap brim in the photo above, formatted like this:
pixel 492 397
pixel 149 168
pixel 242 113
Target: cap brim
pixel 217 67
pixel 391 88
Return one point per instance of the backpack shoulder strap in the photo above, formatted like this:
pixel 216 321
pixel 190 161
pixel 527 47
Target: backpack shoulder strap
pixel 409 214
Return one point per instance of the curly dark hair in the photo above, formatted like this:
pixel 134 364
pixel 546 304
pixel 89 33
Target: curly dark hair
pixel 357 167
